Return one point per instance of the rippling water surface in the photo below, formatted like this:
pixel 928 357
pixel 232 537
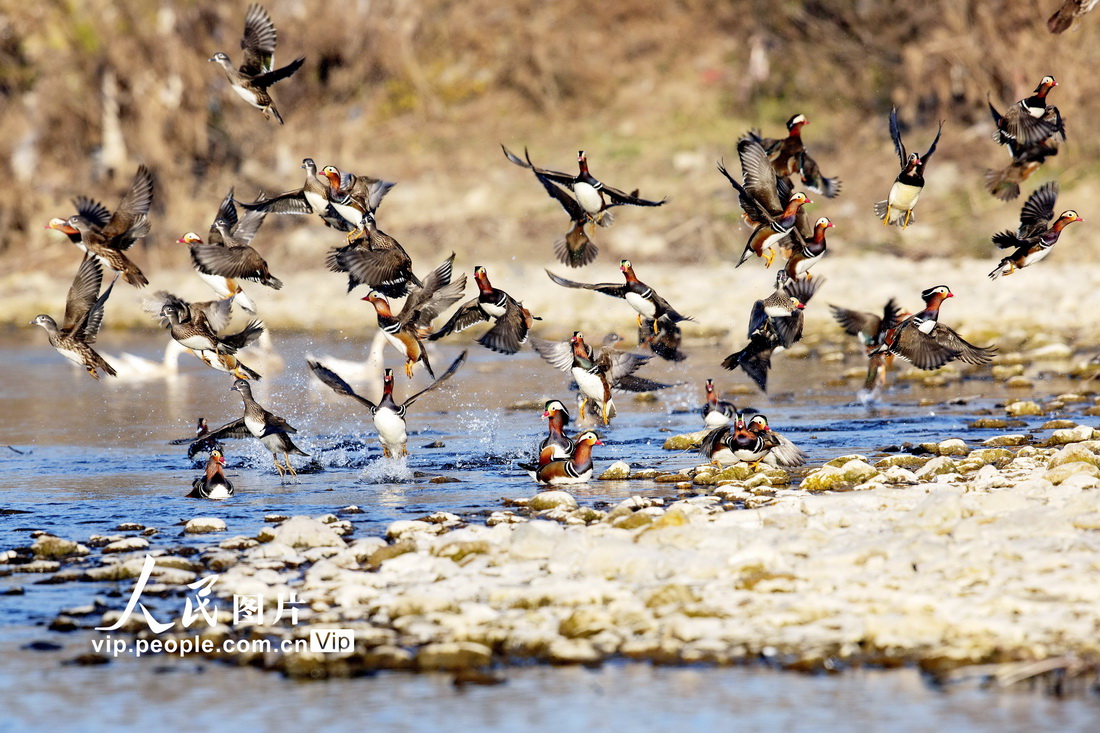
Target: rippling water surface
pixel 86 456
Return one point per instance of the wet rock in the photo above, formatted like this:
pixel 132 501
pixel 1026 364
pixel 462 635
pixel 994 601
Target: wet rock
pixel 952 447
pixel 1002 372
pixel 387 552
pixel 685 441
pixel 996 456
pixel 130 527
pixel 458 551
pixel 219 562
pixel 204 525
pixel 736 472
pixel 672 478
pixel 545 500
pixel 1050 352
pixel 572 651
pixel 37 566
pixel 48 547
pixel 63 624
pixel 179 563
pixel 938 466
pixel 14 590
pixel 90 659
pixel 1010 440
pixel 1058 425
pixel 240 542
pixel 995 423
pixel 826 478
pixel 585 622
pixel 130 544
pixel 496 518
pixel 1019 382
pixel 616 471
pixel 101 541
pixel 302 532
pixel 1023 407
pixel 902 460
pixel 899 475
pixel 351 509
pixel 42 646
pixel 1072 435
pixel 444 480
pixel 450 656
pixel 409 528
pixel 838 462
pixel 1074 452
pixel 119 571
pixel 1064 471
pixel 275 518
pixel 386 656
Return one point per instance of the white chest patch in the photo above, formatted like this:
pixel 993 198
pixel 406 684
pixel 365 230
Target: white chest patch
pixel 256 427
pixel 903 196
pixel 588 197
pixel 391 429
pixel 317 202
pixel 247 96
pixel 590 384
pixel 640 304
pixel 217 491
pixel 493 309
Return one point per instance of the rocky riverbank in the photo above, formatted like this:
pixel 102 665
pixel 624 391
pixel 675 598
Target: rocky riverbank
pixel 945 555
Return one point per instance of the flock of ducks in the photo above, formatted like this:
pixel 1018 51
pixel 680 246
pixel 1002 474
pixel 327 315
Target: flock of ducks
pixel 771 171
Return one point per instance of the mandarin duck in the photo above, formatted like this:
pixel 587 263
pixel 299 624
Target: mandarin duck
pixel 808 251
pixel 556 444
pixel 751 441
pixel 407 329
pixel 512 320
pixel 1067 13
pixel 198 443
pixel 354 197
pixel 311 198
pixel 209 263
pixel 375 259
pixel 270 429
pixel 788 156
pixel 577 469
pixel 389 416
pixel 594 196
pixel 639 296
pixel 1031 121
pixel 597 371
pixel 212 484
pixel 928 344
pixel 769 205
pixel 107 235
pixel 82 321
pixel 775 323
pixel 662 337
pixel 716 412
pixel 1038 231
pixel 257 71
pixel 898 207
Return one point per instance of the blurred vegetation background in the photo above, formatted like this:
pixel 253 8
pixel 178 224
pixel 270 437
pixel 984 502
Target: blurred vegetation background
pixel 424 92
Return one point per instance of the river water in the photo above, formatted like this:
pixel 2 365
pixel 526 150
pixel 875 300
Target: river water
pixel 85 457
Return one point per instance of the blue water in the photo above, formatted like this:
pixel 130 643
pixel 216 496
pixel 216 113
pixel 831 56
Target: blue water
pixel 92 455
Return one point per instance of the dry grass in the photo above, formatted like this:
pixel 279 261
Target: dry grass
pixel 423 93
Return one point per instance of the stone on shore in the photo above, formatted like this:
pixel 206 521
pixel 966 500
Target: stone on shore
pixel 204 525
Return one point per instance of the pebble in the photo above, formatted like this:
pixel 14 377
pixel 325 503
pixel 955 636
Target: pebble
pixel 204 525
pixel 545 500
pixel 130 544
pixel 616 471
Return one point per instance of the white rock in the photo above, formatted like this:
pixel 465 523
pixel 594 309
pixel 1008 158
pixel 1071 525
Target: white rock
pixel 203 525
pixel 130 544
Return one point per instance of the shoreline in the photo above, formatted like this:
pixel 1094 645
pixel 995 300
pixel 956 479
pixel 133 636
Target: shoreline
pixel 945 558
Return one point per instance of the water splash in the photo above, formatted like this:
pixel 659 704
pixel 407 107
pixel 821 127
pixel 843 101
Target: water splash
pixel 387 470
